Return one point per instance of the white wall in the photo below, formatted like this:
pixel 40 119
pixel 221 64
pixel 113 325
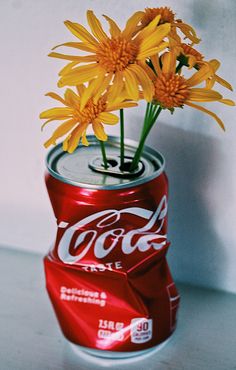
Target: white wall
pixel 200 158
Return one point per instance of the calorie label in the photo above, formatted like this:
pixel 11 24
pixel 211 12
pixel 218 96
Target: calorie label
pixel 111 330
pixel 141 330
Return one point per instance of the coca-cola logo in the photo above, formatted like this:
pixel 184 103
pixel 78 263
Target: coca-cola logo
pixel 102 230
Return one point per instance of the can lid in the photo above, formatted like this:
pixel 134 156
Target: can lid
pixel 83 168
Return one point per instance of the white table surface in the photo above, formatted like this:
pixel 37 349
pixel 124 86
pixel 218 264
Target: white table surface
pixel 30 338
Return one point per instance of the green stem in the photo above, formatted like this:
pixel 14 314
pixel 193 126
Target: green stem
pixel 104 157
pixel 149 125
pixel 179 66
pixel 157 112
pixel 122 135
pixel 147 113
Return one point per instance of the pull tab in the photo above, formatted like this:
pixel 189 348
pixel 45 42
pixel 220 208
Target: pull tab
pixel 96 164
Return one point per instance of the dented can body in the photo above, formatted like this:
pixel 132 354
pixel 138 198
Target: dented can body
pixel 107 274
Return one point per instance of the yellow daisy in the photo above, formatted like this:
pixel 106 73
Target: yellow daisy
pixel 77 116
pixel 167 16
pixel 174 90
pixel 119 58
pixel 196 60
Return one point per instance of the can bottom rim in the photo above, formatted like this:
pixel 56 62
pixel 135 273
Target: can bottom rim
pixel 112 355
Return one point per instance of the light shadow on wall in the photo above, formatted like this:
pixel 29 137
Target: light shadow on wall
pixel 198 256
pixel 201 10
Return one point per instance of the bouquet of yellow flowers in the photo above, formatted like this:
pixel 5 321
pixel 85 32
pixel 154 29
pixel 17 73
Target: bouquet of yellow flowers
pixel 146 61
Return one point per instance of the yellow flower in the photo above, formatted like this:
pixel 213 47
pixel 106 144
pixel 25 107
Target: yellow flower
pixel 174 90
pixel 77 115
pixel 167 15
pixel 119 58
pixel 196 60
pixel 192 58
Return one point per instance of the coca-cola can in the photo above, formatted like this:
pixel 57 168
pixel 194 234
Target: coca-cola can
pixel 107 274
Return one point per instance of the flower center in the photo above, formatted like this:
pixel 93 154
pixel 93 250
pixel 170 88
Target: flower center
pixel 167 16
pixel 188 50
pixel 171 90
pixel 91 111
pixel 116 54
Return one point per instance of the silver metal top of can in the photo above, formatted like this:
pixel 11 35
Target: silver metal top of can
pixel 83 168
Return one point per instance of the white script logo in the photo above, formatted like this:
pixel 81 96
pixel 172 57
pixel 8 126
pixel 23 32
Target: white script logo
pixel 89 237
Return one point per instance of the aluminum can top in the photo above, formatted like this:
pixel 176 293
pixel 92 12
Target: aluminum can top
pixel 83 168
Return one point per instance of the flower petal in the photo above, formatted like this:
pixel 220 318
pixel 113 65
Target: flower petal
pixel 96 27
pixel 80 89
pixel 99 130
pixel 203 74
pixel 84 140
pixel 210 82
pixel 68 68
pixel 131 24
pixel 105 83
pixel 75 137
pixel 116 106
pixel 63 129
pixel 56 97
pixel 146 53
pixel 131 84
pixel 156 63
pixel 65 143
pixel 223 82
pixel 192 60
pixel 117 87
pixel 80 75
pixel 215 64
pixel 228 102
pixel 168 62
pixel 114 29
pixel 149 29
pixel 49 142
pixel 56 112
pixel 91 90
pixel 108 118
pixel 203 95
pixel 51 120
pixel 78 45
pixel 218 120
pixel 79 31
pixel 155 38
pixel 71 98
pixel 188 31
pixel 79 59
pixel 148 69
pixel 145 82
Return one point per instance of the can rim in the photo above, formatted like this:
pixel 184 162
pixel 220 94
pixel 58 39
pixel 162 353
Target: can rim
pixel 153 154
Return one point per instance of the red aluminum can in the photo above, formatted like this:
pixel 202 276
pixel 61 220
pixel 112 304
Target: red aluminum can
pixel 107 274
